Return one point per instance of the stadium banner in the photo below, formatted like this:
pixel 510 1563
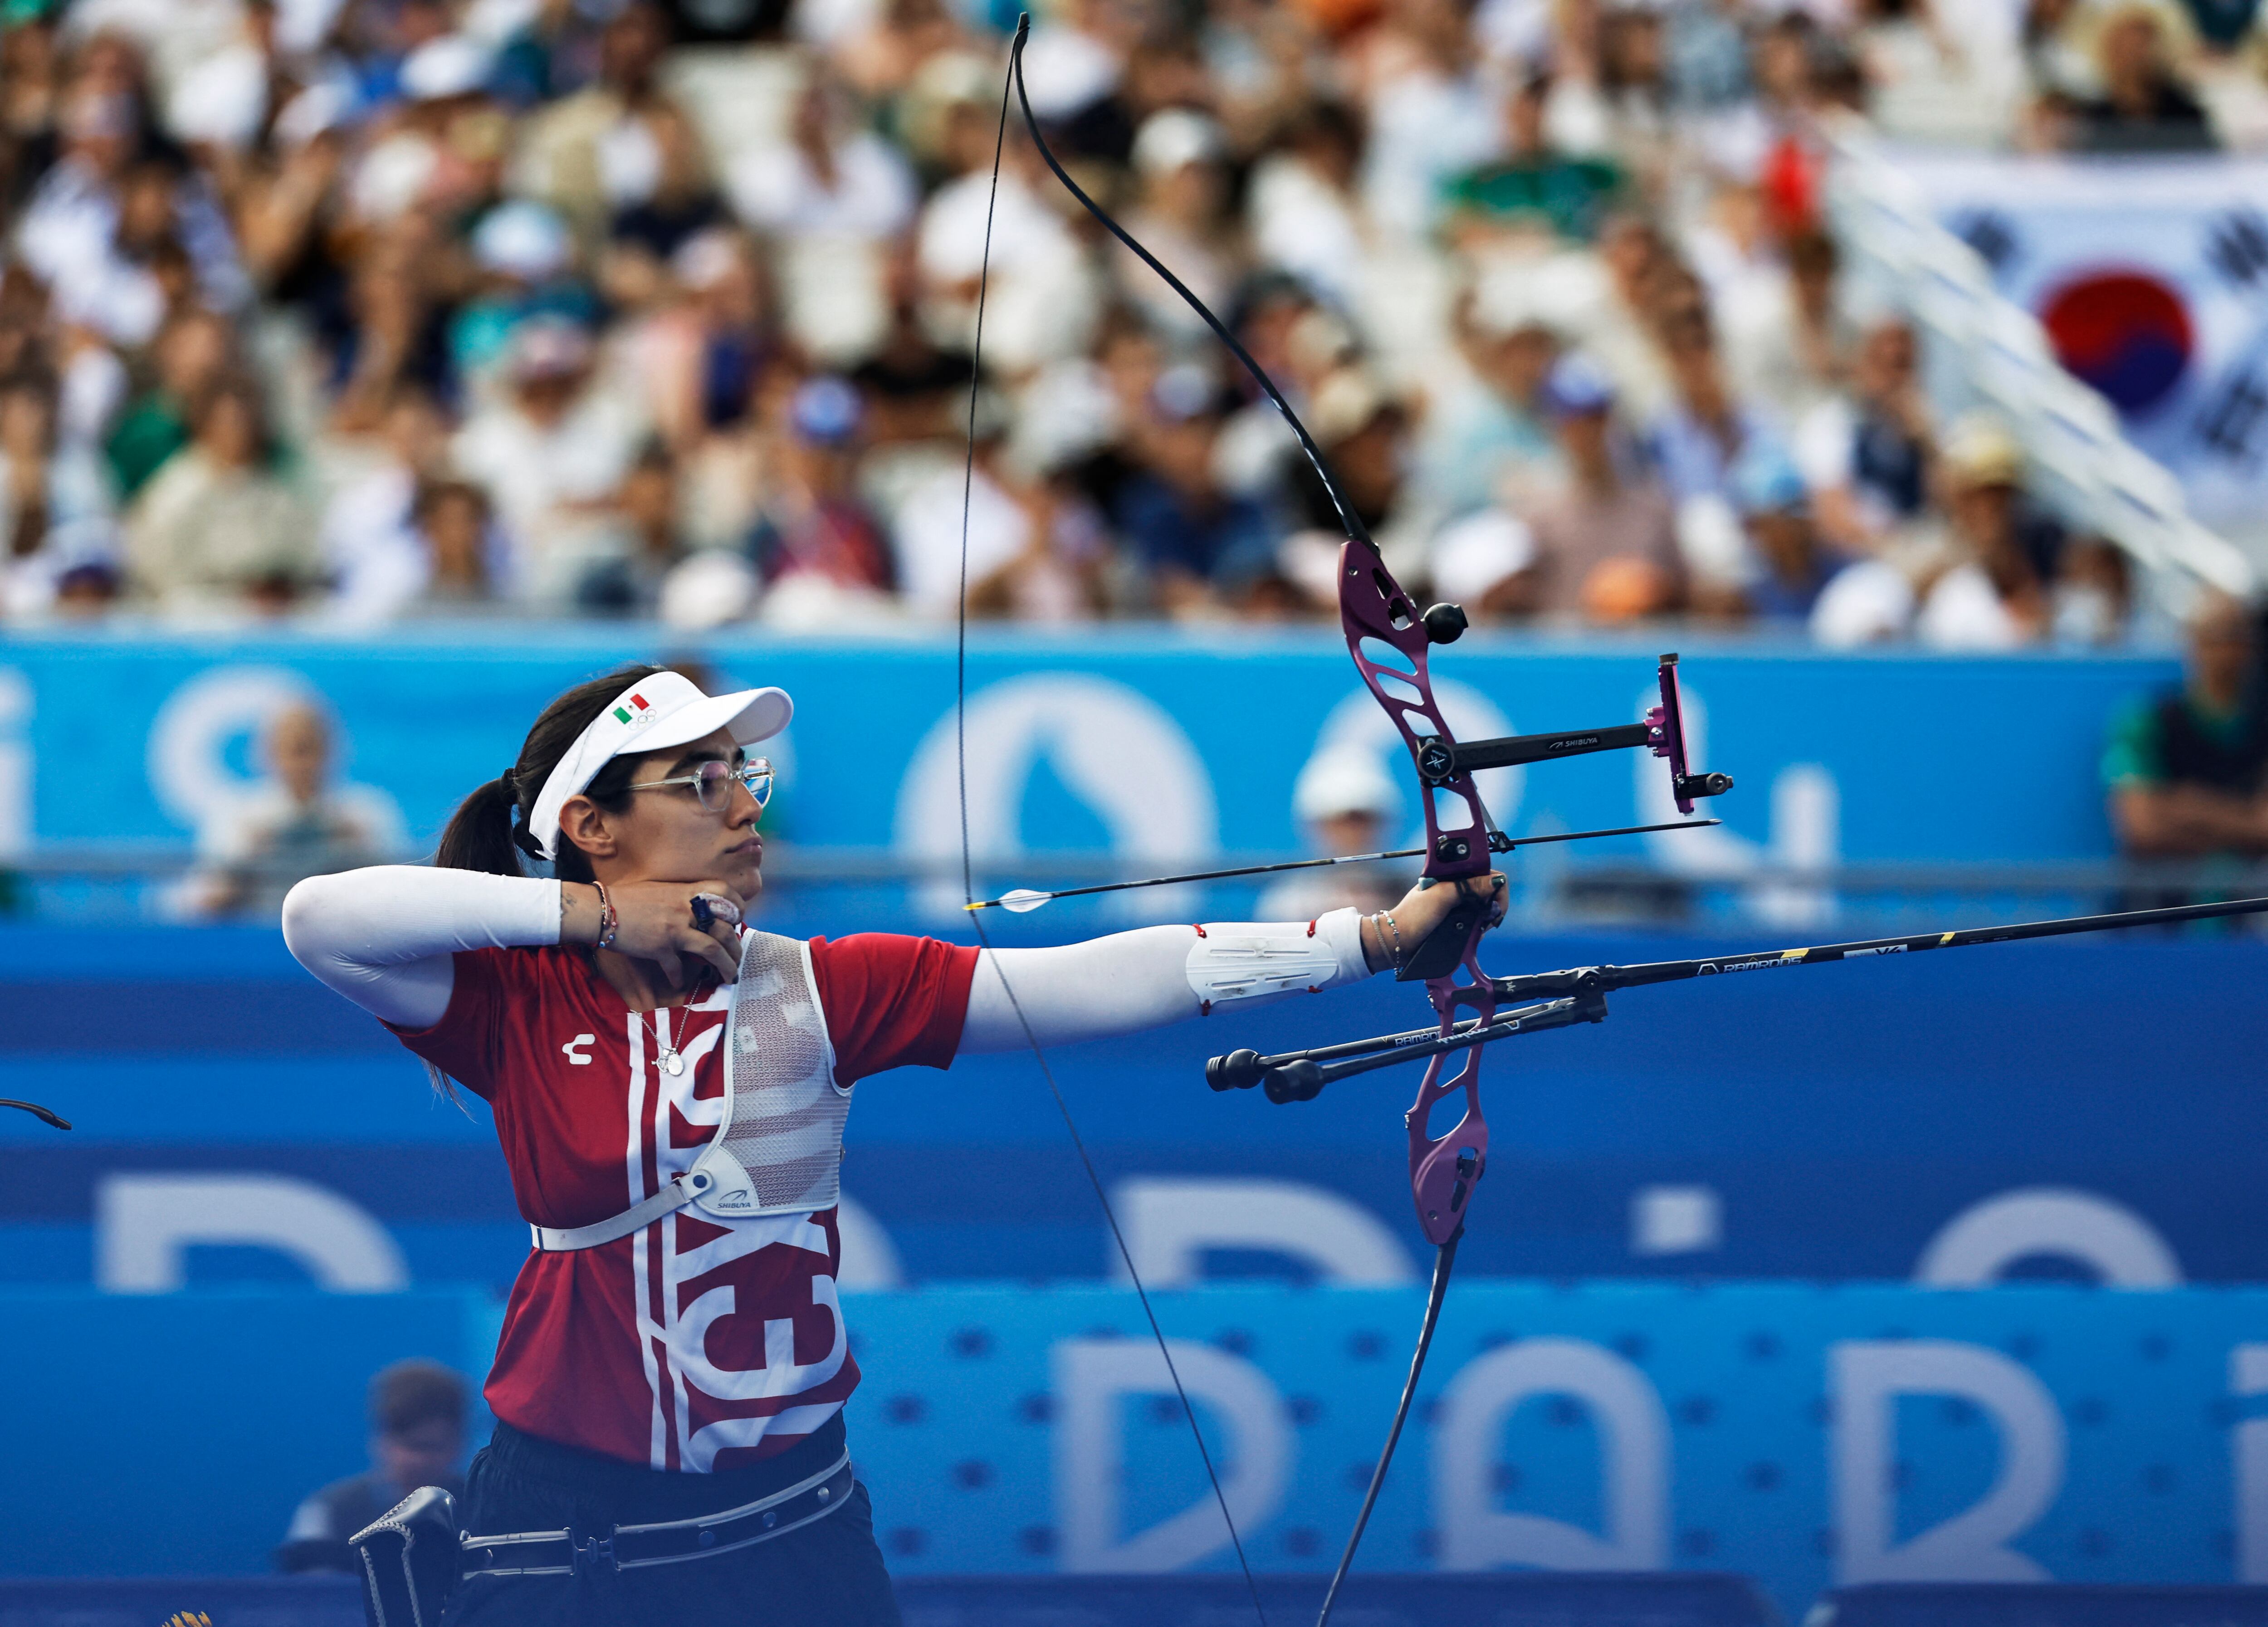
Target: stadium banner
pixel 2086 1109
pixel 1151 747
pixel 1803 1436
pixel 2148 276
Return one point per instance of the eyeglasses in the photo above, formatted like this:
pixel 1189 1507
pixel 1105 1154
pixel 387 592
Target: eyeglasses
pixel 712 783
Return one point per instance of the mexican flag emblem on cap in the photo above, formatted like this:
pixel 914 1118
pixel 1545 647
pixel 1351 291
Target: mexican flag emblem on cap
pixel 625 715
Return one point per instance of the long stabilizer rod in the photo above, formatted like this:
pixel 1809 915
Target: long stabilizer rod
pixel 1605 979
pixel 1563 999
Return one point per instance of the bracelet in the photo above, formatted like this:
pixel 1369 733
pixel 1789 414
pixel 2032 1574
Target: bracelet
pixel 607 921
pixel 1387 915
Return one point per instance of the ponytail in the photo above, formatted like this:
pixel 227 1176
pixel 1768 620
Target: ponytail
pixel 478 836
pixel 489 831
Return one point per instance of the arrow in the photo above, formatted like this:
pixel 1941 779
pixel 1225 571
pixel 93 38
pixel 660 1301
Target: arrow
pixel 1023 901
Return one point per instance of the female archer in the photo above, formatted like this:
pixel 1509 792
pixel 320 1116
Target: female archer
pixel 669 1090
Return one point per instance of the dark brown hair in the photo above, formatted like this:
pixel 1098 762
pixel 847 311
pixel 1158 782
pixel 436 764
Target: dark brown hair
pixel 489 831
pixel 413 1392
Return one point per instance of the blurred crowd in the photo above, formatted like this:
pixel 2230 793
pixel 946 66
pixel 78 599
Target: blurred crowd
pixel 355 312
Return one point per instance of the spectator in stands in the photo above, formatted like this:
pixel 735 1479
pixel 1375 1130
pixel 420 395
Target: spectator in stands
pixel 550 453
pixel 458 549
pixel 1363 433
pixel 2094 594
pixel 1532 189
pixel 1201 543
pixel 296 822
pixel 1794 563
pixel 566 151
pixel 1180 158
pixel 2187 771
pixel 1786 339
pixel 1343 801
pixel 1974 579
pixel 1697 439
pixel 1489 439
pixel 1991 592
pixel 1868 455
pixel 1606 546
pixel 1485 562
pixel 55 506
pixel 704 357
pixel 372 554
pixel 188 356
pixel 814 538
pixel 217 527
pixel 2144 106
pixel 418 1439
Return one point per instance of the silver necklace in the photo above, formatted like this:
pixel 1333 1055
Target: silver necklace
pixel 671 1063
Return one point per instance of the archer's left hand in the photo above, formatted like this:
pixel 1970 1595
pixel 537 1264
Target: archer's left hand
pixel 1389 937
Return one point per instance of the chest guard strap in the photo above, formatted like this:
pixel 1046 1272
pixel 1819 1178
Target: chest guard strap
pixel 779 1148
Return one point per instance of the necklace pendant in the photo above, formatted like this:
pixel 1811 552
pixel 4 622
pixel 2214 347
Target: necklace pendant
pixel 673 1064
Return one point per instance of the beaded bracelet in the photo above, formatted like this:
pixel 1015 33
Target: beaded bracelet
pixel 1387 915
pixel 608 921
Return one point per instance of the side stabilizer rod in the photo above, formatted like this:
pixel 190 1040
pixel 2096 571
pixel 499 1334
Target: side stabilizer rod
pixel 1301 1076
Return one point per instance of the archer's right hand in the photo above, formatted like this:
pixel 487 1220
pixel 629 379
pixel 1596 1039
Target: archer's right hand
pixel 653 921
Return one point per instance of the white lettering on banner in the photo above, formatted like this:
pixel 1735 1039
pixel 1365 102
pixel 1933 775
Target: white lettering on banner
pixel 1119 751
pixel 16 762
pixel 1633 1435
pixel 1169 1224
pixel 1676 1219
pixel 1255 1449
pixel 190 736
pixel 870 1259
pixel 2248 1376
pixel 144 1223
pixel 1868 1378
pixel 1981 1242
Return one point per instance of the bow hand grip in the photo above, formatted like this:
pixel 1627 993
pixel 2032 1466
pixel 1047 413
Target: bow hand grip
pixel 1442 950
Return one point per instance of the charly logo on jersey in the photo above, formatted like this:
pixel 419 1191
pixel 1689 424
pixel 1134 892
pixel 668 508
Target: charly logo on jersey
pixel 577 1050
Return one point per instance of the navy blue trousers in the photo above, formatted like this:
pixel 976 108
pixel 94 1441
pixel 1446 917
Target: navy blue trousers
pixel 829 1573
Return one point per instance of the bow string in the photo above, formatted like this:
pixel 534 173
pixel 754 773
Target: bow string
pixel 961 737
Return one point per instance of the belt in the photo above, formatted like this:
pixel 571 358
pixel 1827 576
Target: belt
pixel 628 1548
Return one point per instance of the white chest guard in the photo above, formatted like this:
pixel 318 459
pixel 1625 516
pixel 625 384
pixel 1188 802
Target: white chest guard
pixel 779 1148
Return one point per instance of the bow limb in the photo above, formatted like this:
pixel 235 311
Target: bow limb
pixel 44 1115
pixel 1349 519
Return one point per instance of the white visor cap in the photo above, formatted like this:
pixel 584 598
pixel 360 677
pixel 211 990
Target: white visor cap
pixel 653 714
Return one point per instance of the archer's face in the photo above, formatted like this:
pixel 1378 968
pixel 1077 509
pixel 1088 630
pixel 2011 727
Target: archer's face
pixel 665 835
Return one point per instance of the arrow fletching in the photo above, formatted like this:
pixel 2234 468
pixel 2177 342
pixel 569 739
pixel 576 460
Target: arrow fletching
pixel 1023 901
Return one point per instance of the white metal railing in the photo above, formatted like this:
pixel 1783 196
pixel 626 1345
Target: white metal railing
pixel 1987 351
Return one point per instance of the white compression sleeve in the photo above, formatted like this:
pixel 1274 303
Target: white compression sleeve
pixel 1144 979
pixel 383 936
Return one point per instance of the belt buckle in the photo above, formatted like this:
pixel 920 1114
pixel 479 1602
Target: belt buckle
pixel 591 1555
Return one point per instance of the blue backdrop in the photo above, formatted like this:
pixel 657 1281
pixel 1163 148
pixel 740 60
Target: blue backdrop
pixel 1149 745
pixel 1802 1435
pixel 1830 1121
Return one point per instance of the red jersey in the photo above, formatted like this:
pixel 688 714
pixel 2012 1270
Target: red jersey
pixel 693 1344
